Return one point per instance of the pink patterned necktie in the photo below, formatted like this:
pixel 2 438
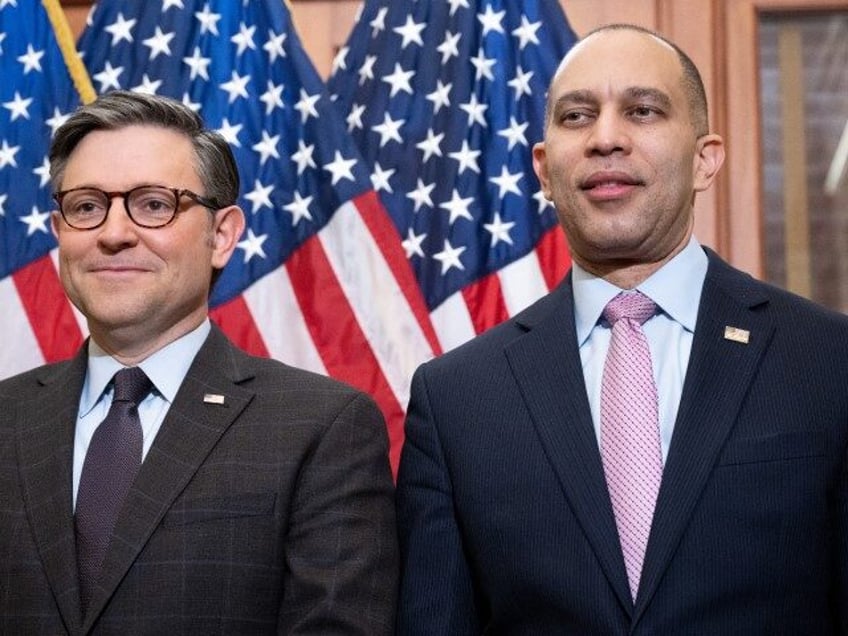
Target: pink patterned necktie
pixel 630 437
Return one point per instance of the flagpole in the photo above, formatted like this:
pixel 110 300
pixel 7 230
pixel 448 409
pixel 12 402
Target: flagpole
pixel 65 38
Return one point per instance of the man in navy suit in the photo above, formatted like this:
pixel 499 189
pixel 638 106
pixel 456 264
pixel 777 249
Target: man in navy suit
pixel 507 523
pixel 263 498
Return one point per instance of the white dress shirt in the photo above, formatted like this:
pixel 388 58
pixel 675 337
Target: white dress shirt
pixel 676 289
pixel 166 369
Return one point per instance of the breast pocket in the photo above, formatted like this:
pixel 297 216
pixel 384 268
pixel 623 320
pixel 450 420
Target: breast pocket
pixel 214 508
pixel 777 447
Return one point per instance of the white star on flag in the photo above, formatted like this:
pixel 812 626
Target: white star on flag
pixel 159 43
pixel 458 207
pixel 507 182
pixel 252 245
pixel 303 157
pixel 260 196
pixel 499 230
pixel 19 106
pixel 306 105
pixel 340 168
pixel 299 208
pixel 31 59
pixel 267 148
pixel 449 257
pixel 411 32
pixel 36 221
pixel 108 77
pixel 244 39
pixel 121 30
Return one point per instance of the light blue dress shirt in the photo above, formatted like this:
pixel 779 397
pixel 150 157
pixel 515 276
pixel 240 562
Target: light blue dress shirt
pixel 166 369
pixel 676 289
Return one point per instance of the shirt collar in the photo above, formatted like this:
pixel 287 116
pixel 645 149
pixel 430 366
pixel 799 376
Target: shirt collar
pixel 166 368
pixel 675 288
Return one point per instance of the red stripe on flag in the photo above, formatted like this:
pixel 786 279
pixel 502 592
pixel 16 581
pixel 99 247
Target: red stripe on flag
pixel 485 302
pixel 385 235
pixel 48 310
pixel 235 319
pixel 340 341
pixel 554 259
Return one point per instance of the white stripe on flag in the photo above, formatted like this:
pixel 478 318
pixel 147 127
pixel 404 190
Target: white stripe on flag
pixel 20 347
pixel 278 318
pixel 380 307
pixel 522 282
pixel 452 322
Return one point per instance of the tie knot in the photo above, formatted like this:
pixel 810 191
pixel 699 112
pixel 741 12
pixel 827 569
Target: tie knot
pixel 131 385
pixel 635 306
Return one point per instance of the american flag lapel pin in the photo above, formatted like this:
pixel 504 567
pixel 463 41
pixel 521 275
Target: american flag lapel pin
pixel 213 398
pixel 736 334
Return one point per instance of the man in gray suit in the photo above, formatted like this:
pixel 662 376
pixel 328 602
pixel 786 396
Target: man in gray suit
pixel 262 496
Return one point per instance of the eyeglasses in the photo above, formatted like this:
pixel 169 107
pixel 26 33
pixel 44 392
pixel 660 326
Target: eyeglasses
pixel 148 206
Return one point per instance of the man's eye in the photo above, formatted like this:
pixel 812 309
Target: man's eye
pixel 152 205
pixel 644 111
pixel 86 206
pixel 573 117
pixel 155 205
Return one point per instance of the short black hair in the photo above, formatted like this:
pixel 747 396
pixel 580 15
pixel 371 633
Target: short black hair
pixel 693 85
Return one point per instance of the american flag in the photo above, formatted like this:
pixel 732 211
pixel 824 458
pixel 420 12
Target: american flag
pixel 319 279
pixel 445 99
pixel 36 95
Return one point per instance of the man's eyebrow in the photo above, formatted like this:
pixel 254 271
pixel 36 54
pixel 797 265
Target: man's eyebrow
pixel 585 97
pixel 576 97
pixel 651 94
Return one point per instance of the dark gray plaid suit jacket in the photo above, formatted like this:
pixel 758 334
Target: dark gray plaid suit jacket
pixel 269 513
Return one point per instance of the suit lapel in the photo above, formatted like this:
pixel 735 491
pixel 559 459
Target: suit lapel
pixel 546 365
pixel 717 380
pixel 45 435
pixel 188 434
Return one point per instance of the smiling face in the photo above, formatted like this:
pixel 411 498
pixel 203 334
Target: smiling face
pixel 621 159
pixel 141 288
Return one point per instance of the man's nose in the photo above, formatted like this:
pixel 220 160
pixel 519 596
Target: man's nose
pixel 610 133
pixel 118 224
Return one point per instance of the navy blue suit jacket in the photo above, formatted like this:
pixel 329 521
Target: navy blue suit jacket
pixel 505 521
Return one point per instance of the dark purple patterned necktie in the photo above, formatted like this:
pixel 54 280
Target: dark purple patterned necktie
pixel 110 467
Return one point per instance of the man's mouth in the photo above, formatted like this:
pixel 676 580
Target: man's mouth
pixel 609 185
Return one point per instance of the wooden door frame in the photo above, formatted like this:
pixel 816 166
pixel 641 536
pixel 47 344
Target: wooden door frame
pixel 740 220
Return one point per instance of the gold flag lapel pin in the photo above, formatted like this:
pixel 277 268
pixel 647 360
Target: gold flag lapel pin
pixel 737 335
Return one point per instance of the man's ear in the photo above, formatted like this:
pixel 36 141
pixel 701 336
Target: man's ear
pixel 708 160
pixel 228 226
pixel 55 221
pixel 540 166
